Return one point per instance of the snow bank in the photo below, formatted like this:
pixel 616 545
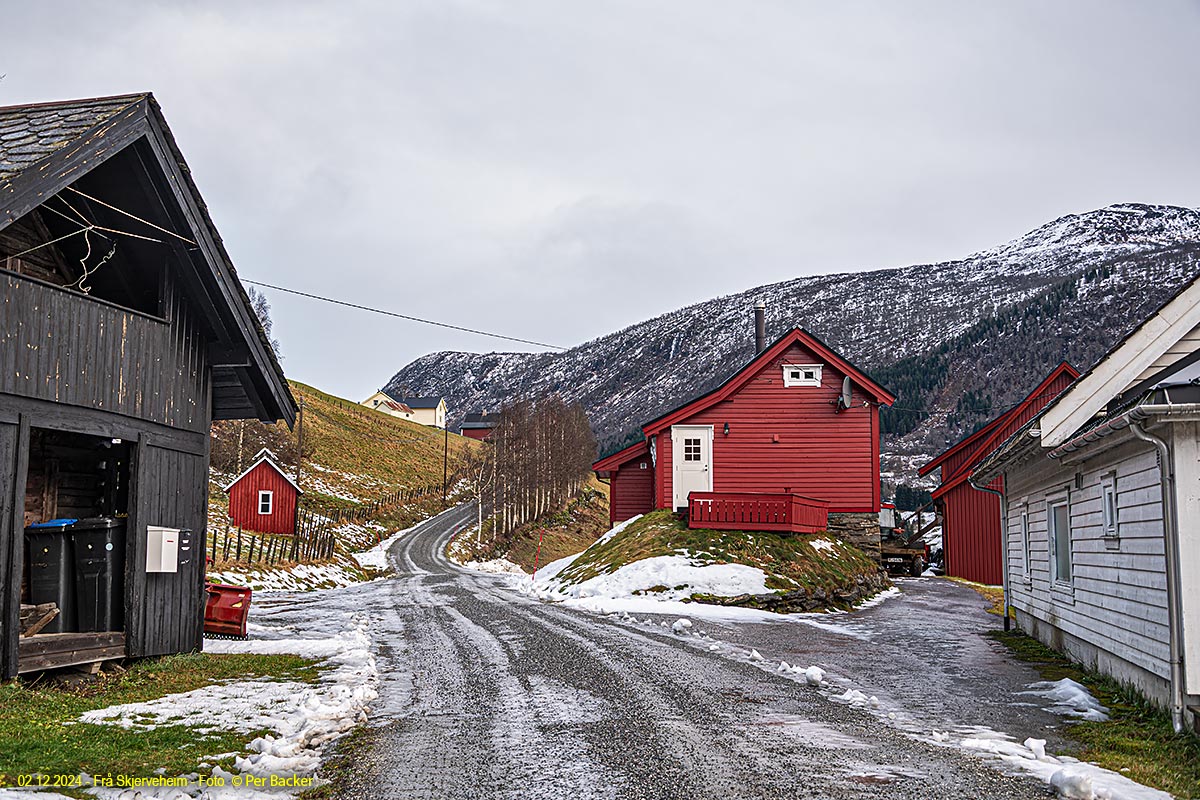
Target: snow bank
pixel 1069 778
pixel 302 717
pixel 498 566
pixel 1069 699
pixel 298 578
pixel 671 578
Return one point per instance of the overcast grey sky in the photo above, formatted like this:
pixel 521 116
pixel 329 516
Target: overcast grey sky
pixel 557 170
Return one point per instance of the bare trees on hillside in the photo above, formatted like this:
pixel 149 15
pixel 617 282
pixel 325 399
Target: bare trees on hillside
pixel 541 454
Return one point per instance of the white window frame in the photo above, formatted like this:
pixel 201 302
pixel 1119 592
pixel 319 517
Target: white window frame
pixel 789 381
pixel 1024 523
pixel 1109 511
pixel 1052 532
pixel 269 496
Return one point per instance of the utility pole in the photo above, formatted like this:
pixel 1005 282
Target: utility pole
pixel 445 460
pixel 299 455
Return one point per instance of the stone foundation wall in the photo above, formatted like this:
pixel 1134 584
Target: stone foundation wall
pixel 859 529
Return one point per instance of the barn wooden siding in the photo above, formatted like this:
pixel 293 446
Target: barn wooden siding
pixel 243 501
pixel 63 348
pixel 1117 600
pixel 77 364
pixel 166 610
pixel 834 457
pixel 631 490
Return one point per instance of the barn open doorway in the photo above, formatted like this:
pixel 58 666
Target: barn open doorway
pixel 77 495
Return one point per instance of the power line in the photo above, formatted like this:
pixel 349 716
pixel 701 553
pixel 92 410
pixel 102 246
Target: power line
pixel 402 316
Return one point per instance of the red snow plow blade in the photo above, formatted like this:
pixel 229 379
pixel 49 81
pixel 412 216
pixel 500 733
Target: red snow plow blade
pixel 226 610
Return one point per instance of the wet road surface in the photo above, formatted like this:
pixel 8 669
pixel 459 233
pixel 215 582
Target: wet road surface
pixel 487 693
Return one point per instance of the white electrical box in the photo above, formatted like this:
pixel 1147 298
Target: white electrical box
pixel 162 549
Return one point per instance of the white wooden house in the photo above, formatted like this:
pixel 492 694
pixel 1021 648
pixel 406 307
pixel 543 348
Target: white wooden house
pixel 425 410
pixel 1102 513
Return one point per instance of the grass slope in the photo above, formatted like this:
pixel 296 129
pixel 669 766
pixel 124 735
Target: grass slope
pixel 361 454
pixel 39 732
pixel 790 562
pixel 564 533
pixel 1137 740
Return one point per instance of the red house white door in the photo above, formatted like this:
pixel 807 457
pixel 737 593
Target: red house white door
pixel 691 462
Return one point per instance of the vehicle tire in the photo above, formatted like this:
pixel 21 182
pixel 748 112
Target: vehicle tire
pixel 918 566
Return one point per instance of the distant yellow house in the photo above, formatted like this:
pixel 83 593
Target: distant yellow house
pixel 425 410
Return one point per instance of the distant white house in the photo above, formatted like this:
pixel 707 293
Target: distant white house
pixel 425 410
pixel 1102 513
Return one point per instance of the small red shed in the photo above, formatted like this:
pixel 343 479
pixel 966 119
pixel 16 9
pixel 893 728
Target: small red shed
pixel 970 517
pixel 264 498
pixel 798 420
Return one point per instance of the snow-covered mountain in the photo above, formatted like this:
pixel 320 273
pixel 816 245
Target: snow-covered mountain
pixel 985 328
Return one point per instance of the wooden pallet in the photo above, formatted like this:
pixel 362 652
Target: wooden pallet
pixel 55 650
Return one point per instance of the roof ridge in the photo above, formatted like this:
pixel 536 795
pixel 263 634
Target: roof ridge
pixel 132 97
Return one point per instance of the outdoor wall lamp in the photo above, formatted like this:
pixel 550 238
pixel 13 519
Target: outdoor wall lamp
pixel 726 428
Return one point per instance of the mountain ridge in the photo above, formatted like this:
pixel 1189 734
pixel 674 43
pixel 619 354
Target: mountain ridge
pixel 915 326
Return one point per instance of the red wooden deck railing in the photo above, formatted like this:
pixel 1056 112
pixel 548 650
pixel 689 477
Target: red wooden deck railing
pixel 757 511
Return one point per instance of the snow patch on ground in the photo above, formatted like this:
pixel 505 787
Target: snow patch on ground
pixel 822 544
pixel 298 578
pixel 1069 699
pixel 302 718
pixel 496 566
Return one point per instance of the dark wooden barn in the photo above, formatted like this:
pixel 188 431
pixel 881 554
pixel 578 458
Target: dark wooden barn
pixel 124 332
pixel 264 498
pixel 787 439
pixel 971 540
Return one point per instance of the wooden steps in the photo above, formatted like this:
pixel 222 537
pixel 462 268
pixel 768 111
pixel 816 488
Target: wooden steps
pixel 54 650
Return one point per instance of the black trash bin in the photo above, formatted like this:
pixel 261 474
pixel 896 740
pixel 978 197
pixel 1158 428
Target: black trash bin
pixel 99 545
pixel 51 571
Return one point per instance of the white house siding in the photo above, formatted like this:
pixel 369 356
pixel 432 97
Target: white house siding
pixel 1113 616
pixel 1186 451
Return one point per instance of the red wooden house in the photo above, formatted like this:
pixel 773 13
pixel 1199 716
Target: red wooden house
pixel 792 435
pixel 970 517
pixel 264 498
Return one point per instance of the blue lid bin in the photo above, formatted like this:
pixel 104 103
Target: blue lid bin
pixel 51 570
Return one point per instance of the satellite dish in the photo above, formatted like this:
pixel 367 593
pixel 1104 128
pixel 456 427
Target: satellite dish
pixel 843 401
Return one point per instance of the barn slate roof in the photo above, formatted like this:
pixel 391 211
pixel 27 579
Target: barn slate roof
pixel 30 133
pixel 46 146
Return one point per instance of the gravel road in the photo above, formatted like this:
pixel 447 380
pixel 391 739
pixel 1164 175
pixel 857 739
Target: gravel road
pixel 488 693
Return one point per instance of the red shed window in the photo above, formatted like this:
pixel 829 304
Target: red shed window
pixel 265 500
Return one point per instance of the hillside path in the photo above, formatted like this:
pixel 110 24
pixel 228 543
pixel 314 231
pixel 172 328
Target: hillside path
pixel 488 693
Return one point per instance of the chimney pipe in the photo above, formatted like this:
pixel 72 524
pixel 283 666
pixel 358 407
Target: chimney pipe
pixel 760 327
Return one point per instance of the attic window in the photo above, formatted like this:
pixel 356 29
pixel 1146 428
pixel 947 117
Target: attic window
pixel 801 374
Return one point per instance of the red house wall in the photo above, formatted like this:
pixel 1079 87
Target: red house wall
pixel 243 501
pixel 834 457
pixel 971 535
pixel 477 433
pixel 631 490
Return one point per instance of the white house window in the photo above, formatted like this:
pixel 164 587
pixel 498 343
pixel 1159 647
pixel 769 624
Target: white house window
pixel 1025 537
pixel 1108 505
pixel 801 374
pixel 265 501
pixel 691 449
pixel 1059 518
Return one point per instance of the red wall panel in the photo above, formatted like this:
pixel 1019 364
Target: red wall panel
pixel 788 439
pixel 971 535
pixel 631 490
pixel 243 501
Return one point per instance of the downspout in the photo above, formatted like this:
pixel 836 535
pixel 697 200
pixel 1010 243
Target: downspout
pixel 1171 546
pixel 1003 545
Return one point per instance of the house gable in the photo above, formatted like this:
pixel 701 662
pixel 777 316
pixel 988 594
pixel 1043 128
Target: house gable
pixel 1151 348
pixel 811 351
pixel 59 150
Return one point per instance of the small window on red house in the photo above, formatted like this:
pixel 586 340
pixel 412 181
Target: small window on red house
pixel 264 502
pixel 642 465
pixel 691 449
